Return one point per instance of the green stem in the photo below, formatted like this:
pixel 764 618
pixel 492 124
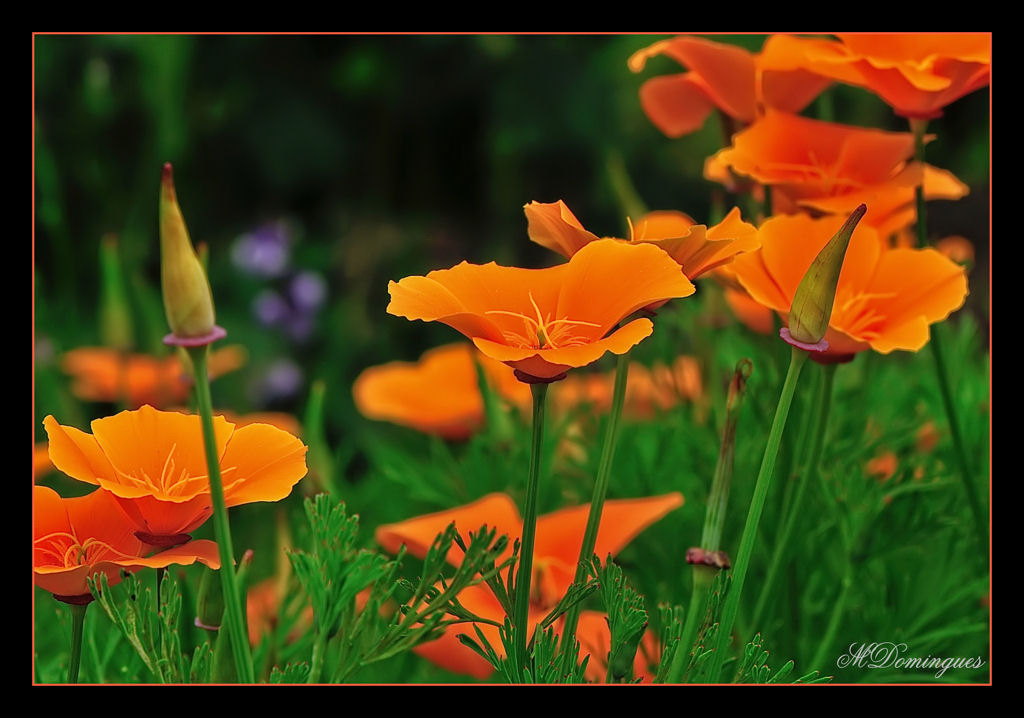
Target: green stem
pixel 222 529
pixel 764 476
pixel 808 469
pixel 317 661
pixel 525 570
pixel 833 622
pixel 77 631
pixel 967 479
pixel 714 520
pixel 604 470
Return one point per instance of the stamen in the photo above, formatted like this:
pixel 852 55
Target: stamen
pixel 549 333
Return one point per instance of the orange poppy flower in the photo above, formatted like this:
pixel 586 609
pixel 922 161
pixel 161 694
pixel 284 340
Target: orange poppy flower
pixel 885 299
pixel 721 76
pixel 109 375
pixel 917 74
pixel 558 542
pixel 155 465
pixel 439 394
pixel 833 168
pixel 695 247
pixel 543 322
pixel 77 538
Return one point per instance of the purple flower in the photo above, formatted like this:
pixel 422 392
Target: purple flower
pixel 308 291
pixel 282 380
pixel 264 252
pixel 271 308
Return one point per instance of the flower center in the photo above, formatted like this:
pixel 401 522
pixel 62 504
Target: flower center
pixel 173 481
pixel 864 319
pixel 543 332
pixel 65 550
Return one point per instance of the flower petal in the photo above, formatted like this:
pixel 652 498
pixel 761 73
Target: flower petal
pixel 554 226
pixel 77 454
pixel 676 104
pixel 155 444
pixel 261 463
pixel 439 394
pixel 560 534
pixel 550 363
pixel 640 273
pixel 497 511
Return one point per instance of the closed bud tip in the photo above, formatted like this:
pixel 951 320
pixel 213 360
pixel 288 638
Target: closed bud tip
pixel 188 301
pixel 812 303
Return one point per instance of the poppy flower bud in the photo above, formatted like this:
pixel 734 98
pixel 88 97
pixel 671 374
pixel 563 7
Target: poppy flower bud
pixel 210 601
pixel 812 303
pixel 188 301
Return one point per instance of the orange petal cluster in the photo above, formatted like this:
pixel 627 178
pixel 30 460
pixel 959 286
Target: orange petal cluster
pixel 720 76
pixel 885 299
pixel 543 322
pixel 831 168
pixel 439 394
pixel 696 248
pixel 80 537
pixel 917 74
pixel 154 464
pixel 101 374
pixel 648 391
pixel 558 542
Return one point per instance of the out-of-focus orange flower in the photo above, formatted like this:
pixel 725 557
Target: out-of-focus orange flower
pixel 720 76
pixel 77 538
pixel 543 322
pixel 832 168
pixel 885 299
pixel 595 638
pixel 695 247
pixel 647 390
pixel 263 608
pixel 959 249
pixel 927 437
pixel 917 74
pixel 155 465
pixel 108 375
pixel 439 394
pixel 558 542
pixel 41 464
pixel 278 419
pixel 883 466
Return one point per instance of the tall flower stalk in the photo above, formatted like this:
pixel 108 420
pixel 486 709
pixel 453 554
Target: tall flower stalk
pixel 771 452
pixel 604 470
pixel 918 127
pixel 237 633
pixel 77 631
pixel 808 322
pixel 188 303
pixel 707 559
pixel 525 570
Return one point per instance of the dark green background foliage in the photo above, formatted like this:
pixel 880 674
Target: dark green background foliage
pixel 396 155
